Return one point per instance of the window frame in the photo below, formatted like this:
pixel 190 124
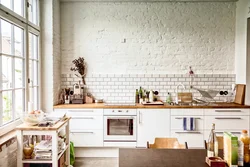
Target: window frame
pixel 27 26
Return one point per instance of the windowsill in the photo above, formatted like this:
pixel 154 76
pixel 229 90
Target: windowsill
pixel 7 137
pixel 8 132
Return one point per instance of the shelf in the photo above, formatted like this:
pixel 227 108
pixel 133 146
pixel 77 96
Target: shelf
pixel 61 153
pixel 37 161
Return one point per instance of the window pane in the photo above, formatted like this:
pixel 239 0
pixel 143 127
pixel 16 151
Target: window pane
pixel 32 10
pixel 33 46
pixel 31 73
pixel 35 73
pixel 19 99
pixel 7 106
pixel 33 95
pixel 18 32
pixel 19 73
pixel 6 72
pixel 18 7
pixel 6 3
pixel 6 37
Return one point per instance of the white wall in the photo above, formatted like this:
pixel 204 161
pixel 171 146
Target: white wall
pixel 240 40
pixel 161 37
pixel 56 51
pixel 46 54
pixel 50 37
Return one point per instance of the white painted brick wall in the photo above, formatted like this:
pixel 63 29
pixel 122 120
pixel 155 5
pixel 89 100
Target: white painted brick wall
pixel 116 91
pixel 161 37
pixel 56 51
pixel 8 155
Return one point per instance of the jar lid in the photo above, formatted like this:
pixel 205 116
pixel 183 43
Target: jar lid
pixel 244 131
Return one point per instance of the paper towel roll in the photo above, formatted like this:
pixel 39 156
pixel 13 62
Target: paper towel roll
pixel 30 106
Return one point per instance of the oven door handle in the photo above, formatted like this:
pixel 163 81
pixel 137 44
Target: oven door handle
pixel 120 117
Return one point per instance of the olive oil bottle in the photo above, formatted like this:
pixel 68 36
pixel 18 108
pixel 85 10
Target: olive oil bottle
pixel 212 144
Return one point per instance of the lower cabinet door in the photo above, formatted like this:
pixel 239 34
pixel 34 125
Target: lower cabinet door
pixel 87 138
pixel 194 139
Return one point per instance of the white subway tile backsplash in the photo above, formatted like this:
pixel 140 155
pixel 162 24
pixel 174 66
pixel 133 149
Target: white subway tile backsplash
pixel 121 88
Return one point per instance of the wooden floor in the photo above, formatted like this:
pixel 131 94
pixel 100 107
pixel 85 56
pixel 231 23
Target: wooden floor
pixel 96 162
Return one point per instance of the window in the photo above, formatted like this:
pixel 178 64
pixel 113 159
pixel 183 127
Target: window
pixel 16 6
pixel 19 59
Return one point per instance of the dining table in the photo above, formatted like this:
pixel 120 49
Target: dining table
pixel 142 157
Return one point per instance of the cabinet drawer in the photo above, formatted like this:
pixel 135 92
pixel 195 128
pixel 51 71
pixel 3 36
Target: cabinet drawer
pixel 86 122
pixel 184 112
pixel 85 112
pixel 226 111
pixel 87 138
pixel 193 139
pixel 177 122
pixel 227 122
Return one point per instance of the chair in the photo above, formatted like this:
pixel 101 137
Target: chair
pixel 167 143
pixel 220 142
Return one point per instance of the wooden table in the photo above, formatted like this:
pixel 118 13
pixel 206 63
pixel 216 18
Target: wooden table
pixel 130 157
pixel 24 129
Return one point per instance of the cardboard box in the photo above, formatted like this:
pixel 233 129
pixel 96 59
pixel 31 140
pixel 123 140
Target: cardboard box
pixel 231 149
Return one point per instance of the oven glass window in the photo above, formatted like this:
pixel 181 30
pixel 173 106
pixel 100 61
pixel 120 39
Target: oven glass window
pixel 120 127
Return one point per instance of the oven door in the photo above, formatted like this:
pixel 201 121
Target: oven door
pixel 120 128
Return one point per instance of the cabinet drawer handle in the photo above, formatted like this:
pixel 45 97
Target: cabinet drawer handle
pixel 227 110
pixel 231 132
pixel 186 117
pixel 82 132
pixel 81 111
pixel 227 118
pixel 191 132
pixel 80 117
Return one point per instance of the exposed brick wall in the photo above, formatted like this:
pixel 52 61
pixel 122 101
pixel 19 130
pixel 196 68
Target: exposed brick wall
pixel 152 38
pixel 8 155
pixel 56 51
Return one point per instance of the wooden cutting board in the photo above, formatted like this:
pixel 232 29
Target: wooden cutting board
pixel 240 94
pixel 185 97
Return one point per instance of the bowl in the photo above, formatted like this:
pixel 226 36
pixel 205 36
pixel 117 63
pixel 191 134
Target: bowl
pixel 32 118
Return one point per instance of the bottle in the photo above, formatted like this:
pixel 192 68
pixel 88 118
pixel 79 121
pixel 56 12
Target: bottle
pixel 245 139
pixel 140 95
pixel 168 100
pixel 137 96
pixel 212 144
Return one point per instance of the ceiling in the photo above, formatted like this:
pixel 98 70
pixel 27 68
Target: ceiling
pixel 148 0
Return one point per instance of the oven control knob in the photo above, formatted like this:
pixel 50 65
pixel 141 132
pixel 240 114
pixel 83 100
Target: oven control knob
pixel 119 110
pixel 113 111
pixel 127 110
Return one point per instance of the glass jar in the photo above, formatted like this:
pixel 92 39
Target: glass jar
pixel 245 139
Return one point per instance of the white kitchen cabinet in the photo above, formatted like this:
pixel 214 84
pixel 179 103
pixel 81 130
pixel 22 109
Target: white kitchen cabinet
pixel 195 138
pixel 152 123
pixel 86 126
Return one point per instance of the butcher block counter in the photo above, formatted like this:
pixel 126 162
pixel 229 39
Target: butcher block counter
pixel 102 105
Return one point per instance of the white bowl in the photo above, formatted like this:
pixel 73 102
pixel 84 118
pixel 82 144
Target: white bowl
pixel 32 118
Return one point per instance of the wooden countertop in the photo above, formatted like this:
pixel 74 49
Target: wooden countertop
pixel 132 157
pixel 57 126
pixel 102 105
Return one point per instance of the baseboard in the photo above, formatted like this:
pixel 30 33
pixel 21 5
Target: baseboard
pixel 96 152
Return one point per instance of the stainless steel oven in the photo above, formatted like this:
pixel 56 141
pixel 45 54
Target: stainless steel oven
pixel 120 125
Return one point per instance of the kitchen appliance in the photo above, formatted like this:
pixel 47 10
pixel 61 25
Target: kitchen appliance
pixel 120 127
pixel 78 94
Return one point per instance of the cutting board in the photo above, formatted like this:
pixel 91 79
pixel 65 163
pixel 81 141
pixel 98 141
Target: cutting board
pixel 185 97
pixel 240 94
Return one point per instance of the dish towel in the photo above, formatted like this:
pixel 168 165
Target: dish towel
pixel 189 123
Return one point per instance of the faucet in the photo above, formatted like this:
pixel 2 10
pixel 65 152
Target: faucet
pixel 176 91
